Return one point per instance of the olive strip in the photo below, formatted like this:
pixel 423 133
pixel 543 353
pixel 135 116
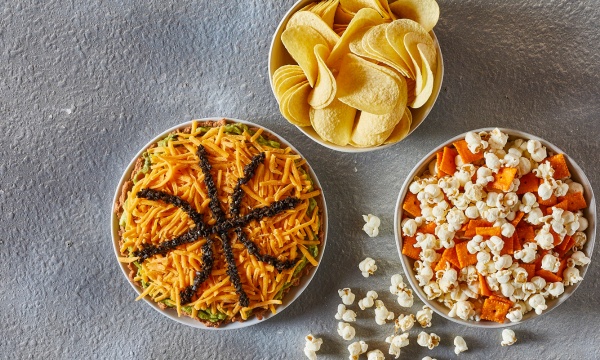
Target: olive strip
pixel 185 296
pixel 164 247
pixel 174 200
pixel 238 193
pixel 209 182
pixel 232 271
pixel 254 250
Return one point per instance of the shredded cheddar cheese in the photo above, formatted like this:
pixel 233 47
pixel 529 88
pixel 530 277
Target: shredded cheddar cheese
pixel 174 169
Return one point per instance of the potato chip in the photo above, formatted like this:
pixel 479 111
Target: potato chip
pixel 363 86
pixel 328 14
pixel 364 18
pixel 386 6
pixel 334 123
pixel 426 53
pixel 343 16
pixel 402 128
pixel 375 41
pixel 528 183
pixel 307 18
pixel 356 45
pixel 324 91
pixel 300 41
pixel 295 104
pixel 395 33
pixel 287 83
pixel 425 12
pixel 356 5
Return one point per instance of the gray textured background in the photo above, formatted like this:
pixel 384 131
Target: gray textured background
pixel 85 83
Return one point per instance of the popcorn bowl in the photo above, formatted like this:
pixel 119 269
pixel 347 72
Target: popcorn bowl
pixel 589 212
pixel 279 56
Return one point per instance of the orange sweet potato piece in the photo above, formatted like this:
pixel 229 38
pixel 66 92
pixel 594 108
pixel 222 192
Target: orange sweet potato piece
pixel 488 231
pixel 528 183
pixel 548 276
pixel 576 201
pixel 465 154
pixel 559 165
pixel 411 204
pixel 465 258
pixel 408 248
pixel 503 179
pixel 448 165
pixel 494 310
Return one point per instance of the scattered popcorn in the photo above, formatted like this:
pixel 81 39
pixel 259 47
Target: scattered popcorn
pixel 396 343
pixel 381 313
pixel 404 322
pixel 405 297
pixel 368 301
pixel 424 316
pixel 460 345
pixel 312 346
pixel 428 358
pixel 428 340
pixel 345 314
pixel 424 272
pixel 347 296
pixel 375 355
pixel 372 225
pixel 432 290
pixel 346 331
pixel 367 267
pixel 356 349
pixel 508 337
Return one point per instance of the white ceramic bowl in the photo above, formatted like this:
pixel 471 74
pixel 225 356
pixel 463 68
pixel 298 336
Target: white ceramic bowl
pixel 294 292
pixel 279 56
pixel 589 212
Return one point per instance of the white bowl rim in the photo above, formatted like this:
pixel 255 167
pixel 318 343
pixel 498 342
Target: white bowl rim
pixel 291 296
pixel 348 148
pixel 591 231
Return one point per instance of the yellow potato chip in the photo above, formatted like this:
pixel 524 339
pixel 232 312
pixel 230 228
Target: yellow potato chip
pixel 402 128
pixel 422 97
pixel 364 86
pixel 307 18
pixel 386 6
pixel 425 12
pixel 300 41
pixel 283 108
pixel 334 123
pixel 411 40
pixel 328 14
pixel 355 44
pixel 395 33
pixel 364 18
pixel 356 5
pixel 325 88
pixel 375 40
pixel 288 83
pixel 297 105
pixel 343 16
pixel 373 130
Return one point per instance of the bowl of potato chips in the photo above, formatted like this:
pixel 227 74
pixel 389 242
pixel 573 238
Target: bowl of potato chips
pixel 357 75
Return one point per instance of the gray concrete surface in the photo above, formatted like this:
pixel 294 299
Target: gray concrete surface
pixel 84 84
